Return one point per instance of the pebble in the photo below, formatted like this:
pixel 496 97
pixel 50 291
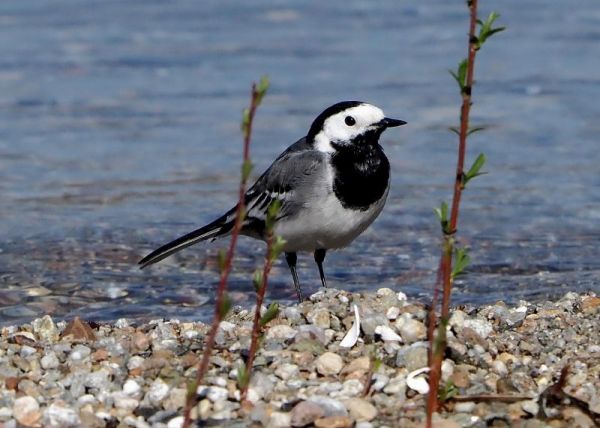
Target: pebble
pixel 305 413
pixel 286 371
pixel 131 388
pixel 334 422
pixel 410 329
pixel 330 406
pixel 280 420
pixel 329 364
pixel 26 411
pixel 281 332
pixel 45 329
pixel 50 361
pixel 80 352
pixel 360 409
pixel 157 392
pixel 59 415
pixel 319 317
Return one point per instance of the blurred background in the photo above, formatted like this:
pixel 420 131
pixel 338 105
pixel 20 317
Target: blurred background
pixel 119 131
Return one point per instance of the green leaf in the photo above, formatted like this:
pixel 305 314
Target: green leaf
pixel 376 364
pixel 192 388
pixel 246 169
pixel 270 314
pixel 454 129
pixel 442 215
pixel 225 306
pixel 245 125
pixel 221 259
pixel 460 75
pixel 474 171
pixel 461 261
pixel 243 377
pixel 486 30
pixel 257 279
pixel 277 247
pixel 272 212
pixel 448 391
pixel 261 89
pixel 475 129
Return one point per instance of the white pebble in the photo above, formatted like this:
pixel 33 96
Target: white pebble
pixel 158 391
pixel 176 422
pixel 49 361
pixel 131 387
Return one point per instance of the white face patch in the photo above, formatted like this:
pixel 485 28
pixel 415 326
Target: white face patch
pixel 339 129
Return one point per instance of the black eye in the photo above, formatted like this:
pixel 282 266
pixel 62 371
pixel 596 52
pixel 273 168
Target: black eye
pixel 350 120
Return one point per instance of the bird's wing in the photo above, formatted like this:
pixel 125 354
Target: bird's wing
pixel 298 166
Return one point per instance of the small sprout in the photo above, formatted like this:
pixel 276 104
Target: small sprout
pixel 376 364
pixel 448 391
pixel 270 314
pixel 474 171
pixel 257 279
pixel 192 388
pixel 486 30
pixel 461 261
pixel 221 260
pixel 246 169
pixel 245 126
pixel 225 306
pixel 277 247
pixel 243 377
pixel 272 213
pixel 442 215
pixel 261 89
pixel 460 75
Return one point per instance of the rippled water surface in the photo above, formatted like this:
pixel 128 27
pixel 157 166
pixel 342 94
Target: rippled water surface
pixel 120 131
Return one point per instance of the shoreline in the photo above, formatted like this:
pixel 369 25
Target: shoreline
pixel 500 368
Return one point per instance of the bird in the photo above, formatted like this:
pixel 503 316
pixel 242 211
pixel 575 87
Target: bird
pixel 331 185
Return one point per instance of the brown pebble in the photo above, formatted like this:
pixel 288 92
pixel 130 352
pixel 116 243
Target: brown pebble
pixel 590 304
pixel 100 355
pixel 11 383
pixel 135 372
pixel 334 422
pixel 460 378
pixel 305 413
pixel 303 359
pixel 79 330
pixel 141 341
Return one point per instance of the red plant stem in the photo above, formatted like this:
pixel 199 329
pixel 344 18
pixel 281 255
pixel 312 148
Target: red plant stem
pixel 191 399
pixel 462 149
pixel 260 296
pixel 437 354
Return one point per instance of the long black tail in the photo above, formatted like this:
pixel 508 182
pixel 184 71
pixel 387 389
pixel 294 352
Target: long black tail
pixel 219 227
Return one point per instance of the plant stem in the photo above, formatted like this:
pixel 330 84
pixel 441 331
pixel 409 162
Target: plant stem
pixel 256 328
pixel 439 344
pixel 191 399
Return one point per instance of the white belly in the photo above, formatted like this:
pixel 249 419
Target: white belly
pixel 325 225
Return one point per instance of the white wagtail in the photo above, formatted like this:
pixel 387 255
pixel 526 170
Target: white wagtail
pixel 331 185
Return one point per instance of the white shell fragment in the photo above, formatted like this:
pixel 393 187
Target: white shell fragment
pixel 387 334
pixel 416 382
pixel 351 337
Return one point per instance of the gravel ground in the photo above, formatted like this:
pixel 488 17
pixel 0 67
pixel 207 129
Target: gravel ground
pixel 502 368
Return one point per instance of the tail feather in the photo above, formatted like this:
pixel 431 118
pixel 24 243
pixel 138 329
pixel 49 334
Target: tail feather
pixel 219 227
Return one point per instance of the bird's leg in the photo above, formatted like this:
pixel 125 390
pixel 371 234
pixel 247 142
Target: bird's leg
pixel 319 257
pixel 291 259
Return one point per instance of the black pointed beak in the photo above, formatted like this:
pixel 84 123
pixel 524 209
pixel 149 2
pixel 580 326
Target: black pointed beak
pixel 390 123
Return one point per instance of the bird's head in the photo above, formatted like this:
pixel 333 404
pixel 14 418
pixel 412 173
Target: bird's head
pixel 349 123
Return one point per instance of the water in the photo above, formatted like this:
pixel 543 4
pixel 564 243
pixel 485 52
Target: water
pixel 120 132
